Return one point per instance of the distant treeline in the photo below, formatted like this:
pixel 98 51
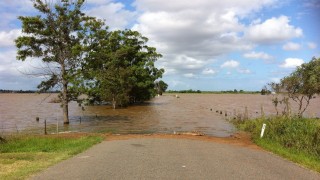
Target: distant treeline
pixel 235 91
pixel 24 91
pixel 184 91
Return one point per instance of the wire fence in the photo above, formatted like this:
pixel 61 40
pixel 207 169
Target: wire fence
pixel 96 124
pixel 115 124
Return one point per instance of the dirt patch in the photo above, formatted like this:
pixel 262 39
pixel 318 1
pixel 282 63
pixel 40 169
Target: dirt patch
pixel 71 135
pixel 239 139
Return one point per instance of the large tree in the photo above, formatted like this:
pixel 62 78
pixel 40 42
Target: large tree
pixel 56 35
pixel 122 68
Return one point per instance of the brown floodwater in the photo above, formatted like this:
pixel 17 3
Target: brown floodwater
pixel 205 113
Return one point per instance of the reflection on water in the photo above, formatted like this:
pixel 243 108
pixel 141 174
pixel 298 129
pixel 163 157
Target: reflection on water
pixel 165 114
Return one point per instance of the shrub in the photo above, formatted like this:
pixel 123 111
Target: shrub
pixel 296 133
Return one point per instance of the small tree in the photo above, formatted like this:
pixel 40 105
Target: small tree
pixel 56 36
pixel 161 87
pixel 264 90
pixel 300 86
pixel 303 84
pixel 275 88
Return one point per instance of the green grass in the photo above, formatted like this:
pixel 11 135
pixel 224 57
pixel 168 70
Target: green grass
pixel 21 157
pixel 295 139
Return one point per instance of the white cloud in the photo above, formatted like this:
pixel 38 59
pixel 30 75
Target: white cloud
pixel 244 71
pixel 291 46
pixel 115 14
pixel 7 56
pixel 257 55
pixel 230 64
pixel 275 79
pixel 11 9
pixel 189 75
pixel 98 2
pixel 169 71
pixel 200 31
pixel 312 45
pixel 292 63
pixel 209 71
pixel 177 84
pixel 240 6
pixel 183 62
pixel 273 30
pixel 8 37
pixel 193 37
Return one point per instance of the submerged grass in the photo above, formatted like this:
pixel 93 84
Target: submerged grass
pixel 22 156
pixel 297 139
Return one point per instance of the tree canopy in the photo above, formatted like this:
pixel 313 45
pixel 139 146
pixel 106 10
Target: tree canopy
pixel 82 56
pixel 55 36
pixel 302 84
pixel 161 87
pixel 122 68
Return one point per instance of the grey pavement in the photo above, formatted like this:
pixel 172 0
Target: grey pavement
pixel 156 158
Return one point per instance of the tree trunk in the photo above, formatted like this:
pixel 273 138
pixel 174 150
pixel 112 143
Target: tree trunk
pixel 114 103
pixel 65 104
pixel 64 99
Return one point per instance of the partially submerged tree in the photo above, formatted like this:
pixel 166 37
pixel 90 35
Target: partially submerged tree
pixel 301 86
pixel 264 90
pixel 56 37
pixel 161 87
pixel 121 68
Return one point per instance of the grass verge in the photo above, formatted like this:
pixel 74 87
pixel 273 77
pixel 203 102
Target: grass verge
pixel 22 156
pixel 295 139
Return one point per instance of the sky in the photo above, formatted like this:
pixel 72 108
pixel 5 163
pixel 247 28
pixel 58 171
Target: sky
pixel 208 45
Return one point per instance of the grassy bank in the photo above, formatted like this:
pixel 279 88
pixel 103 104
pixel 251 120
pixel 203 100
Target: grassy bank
pixel 21 156
pixel 295 139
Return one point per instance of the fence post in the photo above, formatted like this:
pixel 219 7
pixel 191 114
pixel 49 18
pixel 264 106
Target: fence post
pixel 2 129
pixel 45 127
pixel 262 111
pixel 57 126
pixel 262 130
pixel 17 128
pixel 246 116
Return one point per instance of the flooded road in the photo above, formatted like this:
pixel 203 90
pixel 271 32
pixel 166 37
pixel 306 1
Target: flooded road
pixel 206 113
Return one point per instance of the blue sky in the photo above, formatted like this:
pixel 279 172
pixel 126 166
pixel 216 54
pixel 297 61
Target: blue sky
pixel 206 44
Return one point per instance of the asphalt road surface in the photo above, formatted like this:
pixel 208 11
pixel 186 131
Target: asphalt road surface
pixel 156 158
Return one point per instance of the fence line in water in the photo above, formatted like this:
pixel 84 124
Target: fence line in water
pixel 54 125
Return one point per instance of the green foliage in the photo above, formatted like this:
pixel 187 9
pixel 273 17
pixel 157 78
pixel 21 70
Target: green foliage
pixel 298 134
pixel 300 86
pixel 56 35
pixel 21 156
pixel 161 87
pixel 122 68
pixel 47 144
pixel 83 57
pixel 265 91
pixel 295 139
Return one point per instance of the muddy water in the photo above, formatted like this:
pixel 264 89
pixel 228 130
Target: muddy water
pixel 165 114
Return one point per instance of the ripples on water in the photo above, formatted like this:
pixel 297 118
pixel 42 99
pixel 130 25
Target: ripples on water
pixel 164 114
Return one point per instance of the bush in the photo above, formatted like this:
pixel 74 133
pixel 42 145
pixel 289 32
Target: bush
pixel 296 133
